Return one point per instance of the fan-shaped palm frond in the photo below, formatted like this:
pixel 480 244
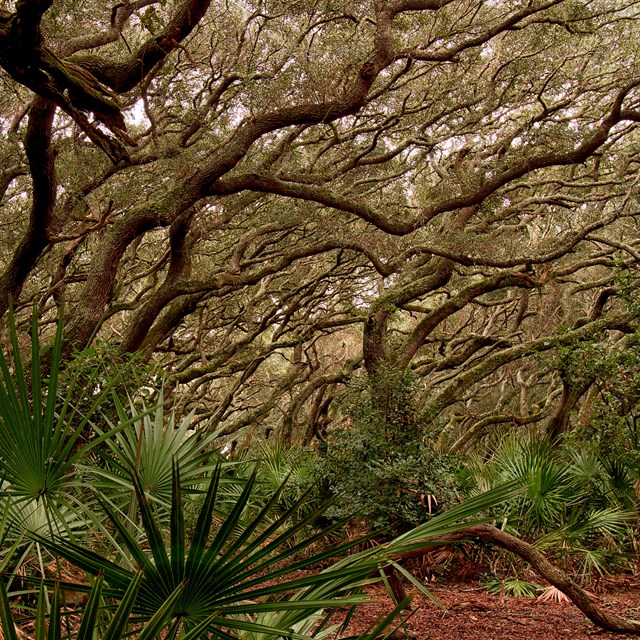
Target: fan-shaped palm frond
pixel 43 438
pixel 229 573
pixel 40 432
pixel 148 447
pixel 111 625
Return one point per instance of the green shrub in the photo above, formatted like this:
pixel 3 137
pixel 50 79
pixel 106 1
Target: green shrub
pixel 229 577
pixel 381 464
pixel 513 587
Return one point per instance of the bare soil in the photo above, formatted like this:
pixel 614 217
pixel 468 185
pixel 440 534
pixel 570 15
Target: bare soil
pixel 471 613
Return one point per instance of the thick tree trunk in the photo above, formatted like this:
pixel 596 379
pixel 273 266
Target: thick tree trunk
pixel 42 167
pixel 571 393
pixel 179 267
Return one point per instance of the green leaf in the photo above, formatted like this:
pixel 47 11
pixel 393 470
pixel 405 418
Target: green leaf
pixel 41 613
pixel 6 618
pixel 154 536
pixel 160 617
pixel 89 615
pixel 54 632
pixel 120 619
pixel 177 526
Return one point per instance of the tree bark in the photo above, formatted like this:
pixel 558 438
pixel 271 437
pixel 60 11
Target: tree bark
pixel 42 166
pixel 571 394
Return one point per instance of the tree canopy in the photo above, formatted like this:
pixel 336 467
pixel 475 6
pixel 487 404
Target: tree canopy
pixel 266 197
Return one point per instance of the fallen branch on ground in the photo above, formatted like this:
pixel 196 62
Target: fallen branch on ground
pixel 542 566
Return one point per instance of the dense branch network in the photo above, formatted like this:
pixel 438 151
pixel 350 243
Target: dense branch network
pixel 268 200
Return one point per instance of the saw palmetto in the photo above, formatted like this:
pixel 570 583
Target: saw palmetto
pixel 229 572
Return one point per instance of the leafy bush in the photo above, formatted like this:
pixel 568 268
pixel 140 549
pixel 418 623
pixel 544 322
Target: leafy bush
pixel 101 367
pixel 149 447
pixel 43 438
pixel 230 577
pixel 611 371
pixel 381 463
pixel 276 466
pixel 514 587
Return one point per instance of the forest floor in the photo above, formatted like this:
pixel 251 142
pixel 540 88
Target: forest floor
pixel 471 613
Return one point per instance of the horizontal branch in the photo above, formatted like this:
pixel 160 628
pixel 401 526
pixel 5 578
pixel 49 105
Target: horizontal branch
pixel 456 389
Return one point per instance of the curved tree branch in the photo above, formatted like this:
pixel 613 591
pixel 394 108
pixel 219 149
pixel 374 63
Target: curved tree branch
pixel 87 83
pixel 455 389
pixel 124 76
pixel 539 562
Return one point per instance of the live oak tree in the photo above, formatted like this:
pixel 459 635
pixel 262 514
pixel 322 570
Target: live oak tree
pixel 265 197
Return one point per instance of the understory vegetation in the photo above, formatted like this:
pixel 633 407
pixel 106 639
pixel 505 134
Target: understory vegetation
pixel 119 521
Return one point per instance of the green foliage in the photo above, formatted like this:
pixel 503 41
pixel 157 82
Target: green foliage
pixel 43 437
pixel 108 623
pixel 615 420
pixel 574 504
pixel 380 463
pixel 612 416
pixel 291 468
pixel 91 624
pixel 243 572
pixel 613 368
pixel 230 581
pixel 37 437
pixel 228 572
pixel 102 367
pixel 148 447
pixel 279 463
pixel 583 361
pixel 513 587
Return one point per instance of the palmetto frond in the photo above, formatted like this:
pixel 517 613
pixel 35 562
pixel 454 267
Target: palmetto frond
pixel 40 430
pixel 148 448
pixel 229 573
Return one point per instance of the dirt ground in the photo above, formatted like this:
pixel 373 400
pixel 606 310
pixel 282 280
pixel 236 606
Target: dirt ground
pixel 473 614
